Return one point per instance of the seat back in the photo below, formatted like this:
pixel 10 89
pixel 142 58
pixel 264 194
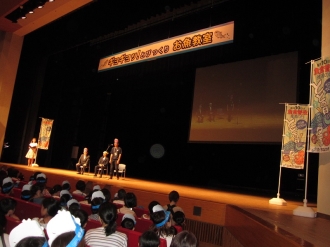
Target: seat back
pixel 140 211
pixel 91 224
pixel 142 225
pixel 86 207
pixel 16 193
pixel 78 197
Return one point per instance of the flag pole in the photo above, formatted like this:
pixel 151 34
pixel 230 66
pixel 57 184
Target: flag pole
pixel 304 210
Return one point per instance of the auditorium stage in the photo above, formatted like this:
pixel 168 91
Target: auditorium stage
pixel 313 230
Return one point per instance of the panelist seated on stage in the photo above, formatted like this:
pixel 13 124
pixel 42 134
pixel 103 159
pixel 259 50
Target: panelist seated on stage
pixel 103 161
pixel 84 161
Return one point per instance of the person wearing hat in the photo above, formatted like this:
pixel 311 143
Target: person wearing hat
pixel 103 161
pixel 115 157
pixel 84 161
pixel 26 193
pixel 49 209
pixel 128 221
pixel 96 201
pixel 161 224
pixel 7 186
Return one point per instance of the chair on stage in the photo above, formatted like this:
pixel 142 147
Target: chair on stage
pixel 83 169
pixel 105 170
pixel 121 169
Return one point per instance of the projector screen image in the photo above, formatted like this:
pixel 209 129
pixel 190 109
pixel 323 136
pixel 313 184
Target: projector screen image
pixel 243 101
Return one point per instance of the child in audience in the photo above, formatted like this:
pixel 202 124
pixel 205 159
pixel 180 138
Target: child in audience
pixel 80 188
pixel 49 208
pixel 119 197
pixel 81 214
pixel 56 190
pixel 4 237
pixel 42 180
pixel 161 224
pixel 179 219
pixel 7 207
pixel 73 204
pixel 184 239
pixel 7 186
pixel 66 185
pixel 150 207
pixel 97 200
pixel 106 235
pixel 26 192
pixel 128 221
pixel 65 196
pixel 107 194
pixel 130 202
pixel 173 197
pixel 149 239
pixel 36 193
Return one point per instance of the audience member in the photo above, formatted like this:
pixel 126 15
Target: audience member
pixel 150 207
pixel 128 221
pixel 96 187
pixel 179 219
pixel 66 185
pixel 80 188
pixel 56 190
pixel 106 235
pixel 27 229
pixel 64 222
pixel 65 196
pixel 42 180
pixel 7 186
pixel 73 204
pixel 184 239
pixel 49 209
pixel 107 194
pixel 82 215
pixel 97 200
pixel 173 197
pixel 130 202
pixel 7 207
pixel 36 193
pixel 161 224
pixel 119 197
pixel 149 239
pixel 4 237
pixel 32 242
pixel 26 192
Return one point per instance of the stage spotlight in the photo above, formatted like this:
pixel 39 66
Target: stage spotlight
pixel 51 1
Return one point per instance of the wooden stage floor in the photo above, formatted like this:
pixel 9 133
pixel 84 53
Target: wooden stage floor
pixel 314 230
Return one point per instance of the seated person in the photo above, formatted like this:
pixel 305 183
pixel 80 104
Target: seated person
pixel 65 196
pixel 66 185
pixel 130 202
pixel 179 219
pixel 81 214
pixel 36 193
pixel 26 192
pixel 7 208
pixel 150 207
pixel 83 161
pixel 7 186
pixel 184 238
pixel 106 235
pixel 97 201
pixel 42 179
pixel 80 188
pixel 119 197
pixel 103 162
pixel 149 239
pixel 173 197
pixel 107 194
pixel 56 190
pixel 73 204
pixel 49 209
pixel 128 221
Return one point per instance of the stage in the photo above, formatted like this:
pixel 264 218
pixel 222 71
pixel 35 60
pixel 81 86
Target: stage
pixel 205 205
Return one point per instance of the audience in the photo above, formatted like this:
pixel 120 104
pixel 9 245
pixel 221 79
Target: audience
pixel 56 190
pixel 49 208
pixel 149 239
pixel 73 204
pixel 65 196
pixel 106 235
pixel 150 207
pixel 66 185
pixel 179 219
pixel 128 221
pixel 26 192
pixel 119 197
pixel 107 194
pixel 97 200
pixel 7 207
pixel 4 237
pixel 80 188
pixel 36 193
pixel 42 180
pixel 7 186
pixel 184 239
pixel 81 214
pixel 130 202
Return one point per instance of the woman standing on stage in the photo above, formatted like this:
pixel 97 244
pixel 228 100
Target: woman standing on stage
pixel 32 153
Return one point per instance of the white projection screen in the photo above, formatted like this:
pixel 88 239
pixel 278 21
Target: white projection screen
pixel 241 102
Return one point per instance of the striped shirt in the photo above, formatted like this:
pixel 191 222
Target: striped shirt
pixel 96 238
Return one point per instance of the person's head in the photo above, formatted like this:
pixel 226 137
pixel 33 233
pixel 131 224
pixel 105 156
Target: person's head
pixel 41 178
pixel 130 200
pixel 82 215
pixel 34 140
pixel 55 191
pixel 49 207
pixel 161 221
pixel 179 217
pixel 26 192
pixel 85 151
pixel 80 185
pixel 96 204
pixel 151 205
pixel 32 242
pixel 107 194
pixel 173 196
pixel 128 221
pixel 73 204
pixel 64 222
pixel 105 153
pixel 12 172
pixel 66 185
pixel 7 185
pixel 7 206
pixel 27 229
pixel 116 142
pixel 149 239
pixel 65 196
pixel 121 194
pixel 63 239
pixel 36 190
pixel 184 239
pixel 108 216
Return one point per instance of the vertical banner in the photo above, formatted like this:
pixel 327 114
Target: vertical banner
pixel 294 136
pixel 44 134
pixel 320 103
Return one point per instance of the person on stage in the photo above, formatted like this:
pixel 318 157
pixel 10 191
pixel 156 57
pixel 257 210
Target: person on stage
pixel 32 153
pixel 115 156
pixel 103 161
pixel 84 161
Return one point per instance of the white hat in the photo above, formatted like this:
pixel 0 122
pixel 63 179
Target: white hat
pixel 7 180
pixel 97 187
pixel 97 194
pixel 62 222
pixel 27 187
pixel 41 175
pixel 71 201
pixel 28 228
pixel 129 216
pixel 157 208
pixel 63 192
pixel 65 182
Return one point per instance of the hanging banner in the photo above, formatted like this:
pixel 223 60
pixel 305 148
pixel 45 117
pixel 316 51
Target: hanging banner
pixel 44 134
pixel 204 38
pixel 294 136
pixel 320 103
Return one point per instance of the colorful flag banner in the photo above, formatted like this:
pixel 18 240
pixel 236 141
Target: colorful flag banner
pixel 320 103
pixel 294 136
pixel 44 134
